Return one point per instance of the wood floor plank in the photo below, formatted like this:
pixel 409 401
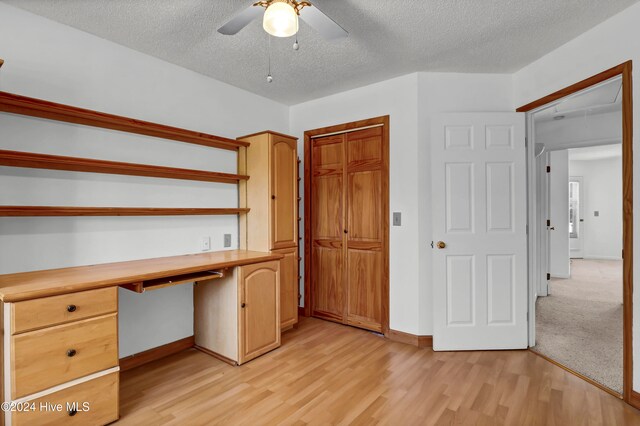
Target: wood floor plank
pixel 326 373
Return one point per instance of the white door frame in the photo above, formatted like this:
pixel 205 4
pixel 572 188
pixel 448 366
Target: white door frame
pixel 534 272
pixel 624 70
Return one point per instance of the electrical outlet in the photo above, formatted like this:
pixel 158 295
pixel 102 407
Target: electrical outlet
pixel 397 219
pixel 227 240
pixel 205 244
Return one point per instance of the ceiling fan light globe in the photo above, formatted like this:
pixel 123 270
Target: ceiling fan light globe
pixel 280 20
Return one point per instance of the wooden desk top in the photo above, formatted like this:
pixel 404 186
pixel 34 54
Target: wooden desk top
pixel 52 282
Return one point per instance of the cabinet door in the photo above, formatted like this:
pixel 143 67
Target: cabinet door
pixel 288 287
pixel 284 181
pixel 259 309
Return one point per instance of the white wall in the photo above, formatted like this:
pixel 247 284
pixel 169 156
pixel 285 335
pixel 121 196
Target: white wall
pixel 559 265
pixel 602 189
pixel 410 101
pixel 604 46
pixel 52 61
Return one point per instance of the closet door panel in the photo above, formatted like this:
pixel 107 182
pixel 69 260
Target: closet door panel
pixel 365 288
pixel 365 206
pixel 327 202
pixel 365 233
pixel 328 298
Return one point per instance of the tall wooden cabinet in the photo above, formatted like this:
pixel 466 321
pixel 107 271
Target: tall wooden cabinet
pixel 272 223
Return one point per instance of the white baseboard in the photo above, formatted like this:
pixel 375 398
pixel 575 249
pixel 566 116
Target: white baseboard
pixel 597 257
pixel 561 276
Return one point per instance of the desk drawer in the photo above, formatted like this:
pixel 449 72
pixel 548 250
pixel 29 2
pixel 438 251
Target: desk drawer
pixel 48 311
pixel 100 396
pixel 52 356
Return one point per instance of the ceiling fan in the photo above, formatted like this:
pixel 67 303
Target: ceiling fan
pixel 281 19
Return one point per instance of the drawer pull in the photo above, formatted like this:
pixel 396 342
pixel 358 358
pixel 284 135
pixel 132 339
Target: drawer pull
pixel 71 353
pixel 71 308
pixel 73 412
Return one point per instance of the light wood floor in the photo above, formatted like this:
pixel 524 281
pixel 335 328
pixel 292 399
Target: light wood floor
pixel 326 373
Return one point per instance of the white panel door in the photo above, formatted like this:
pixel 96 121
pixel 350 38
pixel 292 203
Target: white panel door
pixel 479 229
pixel 559 261
pixel 576 209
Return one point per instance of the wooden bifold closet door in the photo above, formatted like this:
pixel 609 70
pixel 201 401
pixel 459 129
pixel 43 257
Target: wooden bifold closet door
pixel 348 223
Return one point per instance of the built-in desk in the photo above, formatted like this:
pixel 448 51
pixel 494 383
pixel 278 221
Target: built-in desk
pixel 60 327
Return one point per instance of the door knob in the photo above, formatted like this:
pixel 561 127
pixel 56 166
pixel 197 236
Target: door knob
pixel 441 244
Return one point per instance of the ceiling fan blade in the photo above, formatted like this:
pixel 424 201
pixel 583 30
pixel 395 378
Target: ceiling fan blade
pixel 241 20
pixel 322 23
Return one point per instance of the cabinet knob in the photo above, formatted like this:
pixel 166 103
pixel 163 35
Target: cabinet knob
pixel 243 305
pixel 71 353
pixel 73 412
pixel 273 197
pixel 346 232
pixel 71 308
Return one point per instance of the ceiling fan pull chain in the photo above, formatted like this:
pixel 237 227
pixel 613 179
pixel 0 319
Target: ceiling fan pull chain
pixel 269 78
pixel 296 46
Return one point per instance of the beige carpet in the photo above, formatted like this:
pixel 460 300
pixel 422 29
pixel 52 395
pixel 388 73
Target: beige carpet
pixel 580 324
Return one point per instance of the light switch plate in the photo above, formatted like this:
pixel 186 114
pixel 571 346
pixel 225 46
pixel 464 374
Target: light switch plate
pixel 205 244
pixel 227 240
pixel 397 219
pixel 596 213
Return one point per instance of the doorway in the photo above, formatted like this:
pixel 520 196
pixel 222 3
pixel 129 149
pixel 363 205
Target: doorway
pixel 548 253
pixel 346 217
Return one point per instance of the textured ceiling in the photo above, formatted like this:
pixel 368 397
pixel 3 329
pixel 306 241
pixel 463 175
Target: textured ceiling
pixel 387 38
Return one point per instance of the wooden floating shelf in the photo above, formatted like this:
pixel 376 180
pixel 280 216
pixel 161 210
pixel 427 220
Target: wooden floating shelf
pixel 23 105
pixel 24 211
pixel 57 162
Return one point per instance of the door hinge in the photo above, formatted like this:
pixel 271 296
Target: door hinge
pixel 526 141
pixel 548 169
pixel 527 316
pixel 548 222
pixel 527 228
pixel 548 276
